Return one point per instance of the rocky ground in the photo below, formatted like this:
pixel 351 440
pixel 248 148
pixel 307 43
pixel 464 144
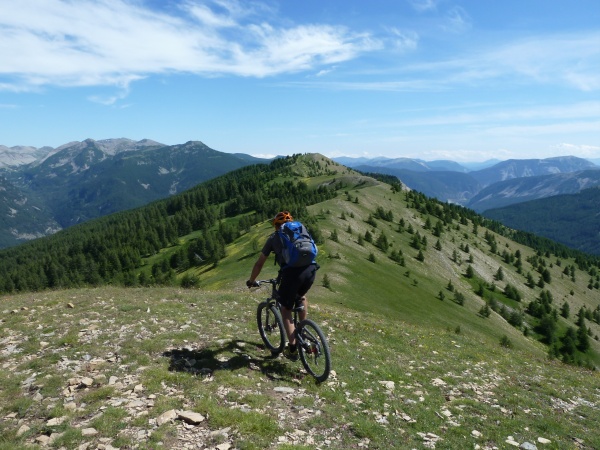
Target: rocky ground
pixel 170 369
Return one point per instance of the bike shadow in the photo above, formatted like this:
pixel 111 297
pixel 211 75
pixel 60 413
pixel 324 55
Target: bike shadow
pixel 233 355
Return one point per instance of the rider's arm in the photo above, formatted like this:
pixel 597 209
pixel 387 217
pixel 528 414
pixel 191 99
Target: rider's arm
pixel 260 262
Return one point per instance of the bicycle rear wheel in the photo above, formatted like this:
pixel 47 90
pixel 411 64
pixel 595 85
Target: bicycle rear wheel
pixel 270 327
pixel 314 350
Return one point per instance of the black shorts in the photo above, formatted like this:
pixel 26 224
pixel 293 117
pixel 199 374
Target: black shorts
pixel 295 282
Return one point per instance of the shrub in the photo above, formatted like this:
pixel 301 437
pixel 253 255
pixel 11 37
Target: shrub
pixel 485 311
pixel 190 281
pixel 506 342
pixel 326 282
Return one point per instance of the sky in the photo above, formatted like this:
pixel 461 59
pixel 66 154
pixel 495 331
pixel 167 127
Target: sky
pixel 464 80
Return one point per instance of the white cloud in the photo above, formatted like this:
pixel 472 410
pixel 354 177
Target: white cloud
pixel 208 17
pixel 457 20
pixel 584 151
pixel 115 42
pixel 264 155
pixel 404 40
pixel 565 59
pixel 571 61
pixel 324 72
pixel 423 5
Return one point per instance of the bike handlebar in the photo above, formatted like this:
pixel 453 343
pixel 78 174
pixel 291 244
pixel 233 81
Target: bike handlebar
pixel 272 281
pixel 257 283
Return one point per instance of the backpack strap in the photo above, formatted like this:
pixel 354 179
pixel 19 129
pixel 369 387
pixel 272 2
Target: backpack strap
pixel 278 235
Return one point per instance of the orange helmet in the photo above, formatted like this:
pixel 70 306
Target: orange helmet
pixel 281 217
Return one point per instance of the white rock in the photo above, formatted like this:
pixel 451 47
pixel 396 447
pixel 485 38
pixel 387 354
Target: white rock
pixel 528 446
pixel 22 430
pixel 56 421
pixel 190 417
pixel 407 418
pixel 87 381
pixel 542 440
pixel 70 406
pixel 100 379
pixel 43 439
pixel 438 382
pixel 166 417
pixel 284 389
pixel 136 404
pixel 476 433
pixel 89 432
pixel 389 385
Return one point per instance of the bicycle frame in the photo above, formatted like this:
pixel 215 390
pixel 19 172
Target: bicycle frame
pixel 273 300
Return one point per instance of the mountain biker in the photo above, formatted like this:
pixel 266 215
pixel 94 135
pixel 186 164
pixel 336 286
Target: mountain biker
pixel 294 282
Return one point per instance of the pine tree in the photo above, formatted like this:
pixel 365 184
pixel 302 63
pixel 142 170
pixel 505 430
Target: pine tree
pixel 382 242
pixel 499 274
pixel 569 342
pixel 485 311
pixel 583 342
pixel 470 273
pixel 334 235
pixel 565 310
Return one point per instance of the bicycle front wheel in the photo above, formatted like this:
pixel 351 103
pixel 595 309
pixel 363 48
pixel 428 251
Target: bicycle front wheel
pixel 270 327
pixel 314 350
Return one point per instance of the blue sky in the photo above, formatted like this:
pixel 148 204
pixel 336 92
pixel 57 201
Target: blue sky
pixel 466 80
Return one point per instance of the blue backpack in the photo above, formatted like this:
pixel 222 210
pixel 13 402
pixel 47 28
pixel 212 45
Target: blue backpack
pixel 298 247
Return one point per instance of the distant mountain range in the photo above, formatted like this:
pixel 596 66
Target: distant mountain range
pixel 518 190
pixel 550 197
pixel 500 184
pixel 45 190
pixel 417 165
pixel 21 155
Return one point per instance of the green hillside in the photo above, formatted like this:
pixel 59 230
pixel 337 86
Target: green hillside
pixel 570 219
pixel 468 322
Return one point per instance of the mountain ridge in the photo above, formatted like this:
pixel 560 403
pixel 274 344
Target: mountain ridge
pixel 518 190
pixel 83 180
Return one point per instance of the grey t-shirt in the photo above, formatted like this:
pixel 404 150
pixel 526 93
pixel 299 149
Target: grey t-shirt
pixel 274 245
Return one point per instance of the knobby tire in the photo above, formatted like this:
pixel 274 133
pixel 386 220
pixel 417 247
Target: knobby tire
pixel 270 327
pixel 315 357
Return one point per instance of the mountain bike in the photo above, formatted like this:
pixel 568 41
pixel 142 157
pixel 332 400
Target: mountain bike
pixel 312 343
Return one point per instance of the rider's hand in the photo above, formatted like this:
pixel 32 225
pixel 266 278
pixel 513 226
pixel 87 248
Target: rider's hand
pixel 251 283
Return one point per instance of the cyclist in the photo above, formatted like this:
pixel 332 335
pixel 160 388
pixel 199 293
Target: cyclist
pixel 294 282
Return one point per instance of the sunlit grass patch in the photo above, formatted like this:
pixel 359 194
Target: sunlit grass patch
pixel 70 438
pixel 98 395
pixel 111 421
